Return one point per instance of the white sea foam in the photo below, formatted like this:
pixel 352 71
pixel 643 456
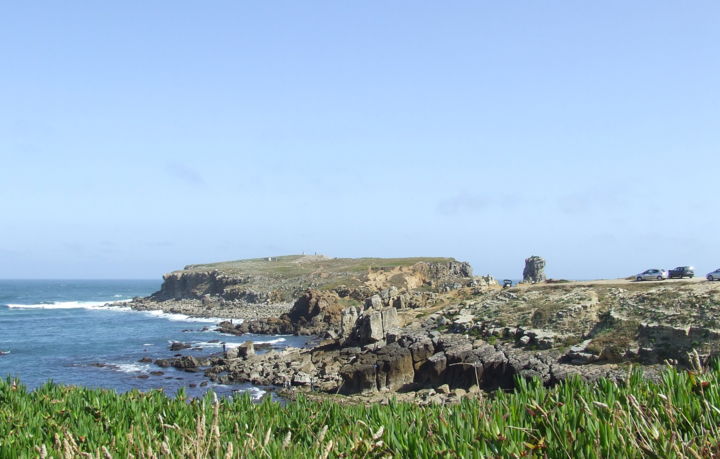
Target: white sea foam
pixel 129 367
pixel 183 317
pixel 255 392
pixel 116 306
pixel 96 305
pixel 237 344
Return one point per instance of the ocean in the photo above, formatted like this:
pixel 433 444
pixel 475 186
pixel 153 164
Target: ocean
pixel 63 331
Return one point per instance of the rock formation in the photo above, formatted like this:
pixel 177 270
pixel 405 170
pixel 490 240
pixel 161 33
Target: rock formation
pixel 315 312
pixel 268 287
pixel 434 330
pixel 534 269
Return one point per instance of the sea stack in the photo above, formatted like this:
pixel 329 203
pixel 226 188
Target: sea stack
pixel 534 269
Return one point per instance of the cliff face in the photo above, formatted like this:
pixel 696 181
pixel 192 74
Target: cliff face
pixel 198 284
pixel 284 279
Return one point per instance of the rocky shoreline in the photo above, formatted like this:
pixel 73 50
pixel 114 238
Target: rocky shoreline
pixel 450 337
pixel 212 308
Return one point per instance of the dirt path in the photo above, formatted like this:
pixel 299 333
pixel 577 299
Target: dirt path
pixel 618 282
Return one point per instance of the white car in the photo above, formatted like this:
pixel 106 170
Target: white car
pixel 652 274
pixel 715 275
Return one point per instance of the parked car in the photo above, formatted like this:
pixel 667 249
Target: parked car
pixel 715 275
pixel 682 271
pixel 652 274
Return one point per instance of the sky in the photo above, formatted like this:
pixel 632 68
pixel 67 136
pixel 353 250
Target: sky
pixel 138 137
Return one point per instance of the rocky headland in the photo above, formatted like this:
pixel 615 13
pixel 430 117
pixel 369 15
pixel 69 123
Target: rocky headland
pixel 428 330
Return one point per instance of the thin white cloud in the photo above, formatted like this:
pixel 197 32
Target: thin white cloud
pixel 462 203
pixel 185 173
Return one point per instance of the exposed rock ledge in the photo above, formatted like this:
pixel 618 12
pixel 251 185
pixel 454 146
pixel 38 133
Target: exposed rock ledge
pixel 205 308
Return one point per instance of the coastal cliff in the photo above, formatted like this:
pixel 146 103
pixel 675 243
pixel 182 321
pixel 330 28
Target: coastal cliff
pixel 428 328
pixel 268 287
pixel 470 340
pixel 283 279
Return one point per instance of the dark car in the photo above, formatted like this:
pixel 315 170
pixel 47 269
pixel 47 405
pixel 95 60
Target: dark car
pixel 681 271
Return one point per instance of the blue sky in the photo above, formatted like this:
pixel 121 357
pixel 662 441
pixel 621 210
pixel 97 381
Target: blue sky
pixel 138 137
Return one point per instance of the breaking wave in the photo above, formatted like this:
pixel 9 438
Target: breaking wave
pixel 97 305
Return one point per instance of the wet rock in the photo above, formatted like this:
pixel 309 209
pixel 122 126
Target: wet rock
pixel 186 362
pixel 177 346
pixel 163 363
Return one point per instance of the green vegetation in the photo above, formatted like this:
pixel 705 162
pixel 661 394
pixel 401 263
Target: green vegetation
pixel 293 272
pixel 543 312
pixel 303 265
pixel 677 417
pixel 613 336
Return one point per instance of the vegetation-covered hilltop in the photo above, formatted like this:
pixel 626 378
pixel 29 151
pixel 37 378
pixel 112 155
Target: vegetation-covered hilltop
pixel 289 266
pixel 282 279
pixel 267 287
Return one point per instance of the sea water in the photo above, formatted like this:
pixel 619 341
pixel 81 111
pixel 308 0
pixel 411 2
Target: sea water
pixel 65 331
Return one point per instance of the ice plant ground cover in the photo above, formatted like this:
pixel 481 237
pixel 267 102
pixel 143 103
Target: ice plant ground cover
pixel 679 416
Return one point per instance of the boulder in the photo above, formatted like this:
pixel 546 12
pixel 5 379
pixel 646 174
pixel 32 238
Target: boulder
pixel 432 371
pixel 347 321
pixel 177 346
pixel 301 379
pixel 186 362
pixel 394 367
pixel 389 319
pixel 421 350
pixel 373 325
pixel 374 302
pixel 358 377
pixel 314 313
pixel 246 349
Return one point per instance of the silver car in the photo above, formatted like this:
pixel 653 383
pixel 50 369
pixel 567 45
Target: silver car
pixel 652 274
pixel 715 275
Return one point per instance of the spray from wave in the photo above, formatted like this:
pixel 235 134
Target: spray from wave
pixel 117 306
pixel 96 305
pixel 176 317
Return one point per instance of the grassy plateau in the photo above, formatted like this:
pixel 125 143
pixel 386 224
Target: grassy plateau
pixel 677 417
